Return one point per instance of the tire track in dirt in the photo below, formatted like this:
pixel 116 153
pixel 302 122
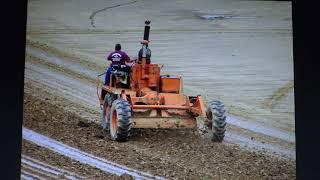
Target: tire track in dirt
pixel 257 128
pixel 83 157
pixel 279 94
pixel 65 85
pixel 79 73
pixel 59 85
pixel 37 172
pixel 106 8
pixel 29 175
pixel 68 55
pixel 32 164
pixel 78 91
pixel 248 143
pixel 60 162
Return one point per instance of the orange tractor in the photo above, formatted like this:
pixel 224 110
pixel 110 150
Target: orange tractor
pixel 139 97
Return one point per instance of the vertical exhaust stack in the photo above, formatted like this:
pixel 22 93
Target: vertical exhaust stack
pixel 145 52
pixel 146 31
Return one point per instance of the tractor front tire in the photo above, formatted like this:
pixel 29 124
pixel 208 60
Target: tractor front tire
pixel 217 113
pixel 120 120
pixel 105 118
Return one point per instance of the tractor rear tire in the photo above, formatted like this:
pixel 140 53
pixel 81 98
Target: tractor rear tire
pixel 217 113
pixel 120 120
pixel 105 118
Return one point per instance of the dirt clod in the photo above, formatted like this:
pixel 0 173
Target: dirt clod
pixel 84 124
pixel 126 177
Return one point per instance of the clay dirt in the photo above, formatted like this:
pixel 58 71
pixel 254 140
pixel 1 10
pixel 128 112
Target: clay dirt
pixel 239 52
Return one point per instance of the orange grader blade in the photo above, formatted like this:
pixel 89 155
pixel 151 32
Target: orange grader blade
pixel 164 122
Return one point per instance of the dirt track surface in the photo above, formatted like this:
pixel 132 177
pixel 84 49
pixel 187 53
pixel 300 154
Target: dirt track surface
pixel 66 49
pixel 245 61
pixel 177 154
pixel 71 83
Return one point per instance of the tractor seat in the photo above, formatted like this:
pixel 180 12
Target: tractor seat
pixel 123 68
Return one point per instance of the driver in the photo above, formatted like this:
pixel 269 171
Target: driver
pixel 118 59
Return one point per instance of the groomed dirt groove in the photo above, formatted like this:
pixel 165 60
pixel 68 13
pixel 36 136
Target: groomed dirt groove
pixel 49 157
pixel 173 154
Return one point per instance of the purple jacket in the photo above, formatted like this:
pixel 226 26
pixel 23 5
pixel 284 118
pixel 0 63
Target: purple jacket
pixel 118 58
